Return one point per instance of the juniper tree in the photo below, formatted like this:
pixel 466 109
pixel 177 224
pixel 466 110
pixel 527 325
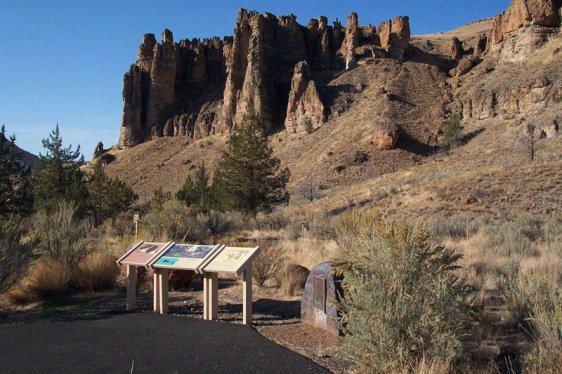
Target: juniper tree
pixel 196 193
pixel 108 196
pixel 15 189
pixel 58 176
pixel 452 131
pixel 248 178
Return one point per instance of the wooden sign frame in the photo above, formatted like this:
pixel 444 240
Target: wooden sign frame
pixel 244 269
pixel 132 271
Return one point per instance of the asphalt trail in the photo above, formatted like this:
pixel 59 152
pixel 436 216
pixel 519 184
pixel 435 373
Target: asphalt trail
pixel 145 342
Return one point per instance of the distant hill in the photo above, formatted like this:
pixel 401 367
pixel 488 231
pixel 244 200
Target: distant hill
pixel 28 158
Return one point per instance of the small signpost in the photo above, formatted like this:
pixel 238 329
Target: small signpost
pixel 136 219
pixel 140 255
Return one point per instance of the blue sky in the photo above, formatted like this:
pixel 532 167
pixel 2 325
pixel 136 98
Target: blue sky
pixel 63 61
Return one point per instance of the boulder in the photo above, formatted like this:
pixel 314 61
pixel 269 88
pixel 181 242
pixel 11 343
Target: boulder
pixel 320 297
pixel 180 279
pixel 386 136
pixel 304 109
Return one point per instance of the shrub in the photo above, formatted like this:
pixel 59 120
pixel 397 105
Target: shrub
pixel 15 255
pixel 402 302
pixel 268 263
pixel 292 279
pixel 97 272
pixel 62 237
pixel 458 226
pixel 47 277
pixel 174 221
pixel 534 298
pixel 516 237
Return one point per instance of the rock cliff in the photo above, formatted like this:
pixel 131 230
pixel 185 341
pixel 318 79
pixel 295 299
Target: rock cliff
pixel 197 88
pixel 305 111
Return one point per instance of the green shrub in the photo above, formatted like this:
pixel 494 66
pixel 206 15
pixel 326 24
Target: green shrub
pixel 402 300
pixel 62 237
pixel 458 226
pixel 175 222
pixel 15 254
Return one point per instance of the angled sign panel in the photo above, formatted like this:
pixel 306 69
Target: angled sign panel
pixel 143 253
pixel 232 260
pixel 185 256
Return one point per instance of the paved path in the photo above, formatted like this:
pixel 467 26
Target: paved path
pixel 156 344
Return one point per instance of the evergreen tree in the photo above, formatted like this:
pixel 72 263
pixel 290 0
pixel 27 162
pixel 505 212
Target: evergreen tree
pixel 58 176
pixel 452 131
pixel 196 193
pixel 248 178
pixel 15 189
pixel 108 196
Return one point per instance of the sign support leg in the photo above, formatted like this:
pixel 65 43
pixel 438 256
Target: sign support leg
pixel 156 291
pixel 163 291
pixel 205 296
pixel 131 287
pixel 214 296
pixel 247 300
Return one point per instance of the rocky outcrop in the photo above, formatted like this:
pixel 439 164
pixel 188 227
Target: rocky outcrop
pixel 305 110
pixel 394 36
pixel 197 88
pixel 456 50
pixel 525 99
pixel 538 15
pixel 168 83
pixel 386 136
pixel 351 41
pixel 481 46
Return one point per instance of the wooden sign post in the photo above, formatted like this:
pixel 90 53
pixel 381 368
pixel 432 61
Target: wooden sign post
pixel 140 255
pixel 233 260
pixel 184 257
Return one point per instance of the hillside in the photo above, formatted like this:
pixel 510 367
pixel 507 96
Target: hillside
pixel 498 91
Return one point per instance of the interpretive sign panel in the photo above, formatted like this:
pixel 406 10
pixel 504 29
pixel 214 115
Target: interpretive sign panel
pixel 185 256
pixel 232 260
pixel 319 293
pixel 143 253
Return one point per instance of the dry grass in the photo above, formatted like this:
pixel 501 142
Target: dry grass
pixel 46 277
pixel 292 279
pixel 97 272
pixel 268 263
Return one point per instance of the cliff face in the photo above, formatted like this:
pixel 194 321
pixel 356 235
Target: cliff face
pixel 525 26
pixel 168 91
pixel 199 88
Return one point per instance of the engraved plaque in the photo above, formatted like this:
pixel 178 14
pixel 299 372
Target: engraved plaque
pixel 319 293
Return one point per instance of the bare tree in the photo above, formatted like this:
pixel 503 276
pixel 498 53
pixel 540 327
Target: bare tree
pixel 308 189
pixel 528 141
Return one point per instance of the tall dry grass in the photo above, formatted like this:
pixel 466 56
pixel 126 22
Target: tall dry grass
pixel 522 257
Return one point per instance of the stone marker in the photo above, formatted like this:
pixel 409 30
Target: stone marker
pixel 318 299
